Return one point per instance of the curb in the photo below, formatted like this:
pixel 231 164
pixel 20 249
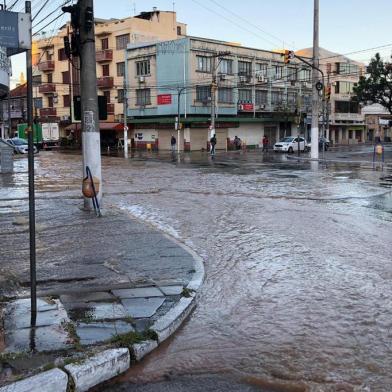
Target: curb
pixel 370 163
pixel 110 363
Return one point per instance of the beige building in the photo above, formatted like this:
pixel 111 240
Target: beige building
pixel 346 123
pixel 378 123
pixel 57 80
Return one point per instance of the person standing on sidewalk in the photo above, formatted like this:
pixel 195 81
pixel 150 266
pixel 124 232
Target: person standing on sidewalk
pixel 213 144
pixel 265 143
pixel 173 143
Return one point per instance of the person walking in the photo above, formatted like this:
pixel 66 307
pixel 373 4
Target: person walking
pixel 265 143
pixel 213 144
pixel 173 143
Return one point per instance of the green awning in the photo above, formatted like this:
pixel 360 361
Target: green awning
pixel 189 120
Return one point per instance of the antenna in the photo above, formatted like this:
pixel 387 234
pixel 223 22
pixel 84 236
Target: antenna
pixel 134 8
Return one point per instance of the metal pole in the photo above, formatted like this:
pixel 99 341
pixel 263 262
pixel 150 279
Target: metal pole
pixel 178 122
pixel 315 100
pixel 33 285
pixel 9 109
pixel 125 97
pixel 89 100
pixel 213 89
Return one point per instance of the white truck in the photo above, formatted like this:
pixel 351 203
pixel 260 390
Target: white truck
pixel 50 136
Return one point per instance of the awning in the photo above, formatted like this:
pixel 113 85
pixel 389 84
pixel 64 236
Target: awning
pixel 103 126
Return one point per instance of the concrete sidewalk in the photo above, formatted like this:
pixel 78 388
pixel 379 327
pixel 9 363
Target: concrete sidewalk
pixel 97 279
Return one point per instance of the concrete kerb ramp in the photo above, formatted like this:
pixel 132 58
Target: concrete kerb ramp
pixel 85 374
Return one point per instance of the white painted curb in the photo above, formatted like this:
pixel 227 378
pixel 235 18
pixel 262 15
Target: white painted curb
pixel 140 350
pixel 99 368
pixel 50 381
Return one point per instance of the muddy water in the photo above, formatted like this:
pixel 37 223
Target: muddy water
pixel 298 266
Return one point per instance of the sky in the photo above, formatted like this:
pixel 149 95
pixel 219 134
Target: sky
pixel 346 26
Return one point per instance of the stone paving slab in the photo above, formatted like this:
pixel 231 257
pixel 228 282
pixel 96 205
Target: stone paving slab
pixel 171 290
pixel 88 297
pixel 96 332
pixel 142 307
pixel 140 292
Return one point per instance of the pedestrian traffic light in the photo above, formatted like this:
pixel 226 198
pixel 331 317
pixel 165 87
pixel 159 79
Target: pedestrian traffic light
pixel 328 92
pixel 288 55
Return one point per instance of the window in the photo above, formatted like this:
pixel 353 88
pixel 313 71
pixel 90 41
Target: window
pixel 347 68
pixel 50 101
pixel 61 54
pixel 225 95
pixel 244 95
pixel 344 87
pixel 142 68
pixel 203 93
pixel 65 77
pixel 305 75
pixel 178 30
pixel 66 101
pixel 291 98
pixel 203 63
pixel 346 107
pixel 38 103
pixel 226 67
pixel 143 97
pixel 121 69
pixel 292 74
pixel 262 69
pixel 122 41
pixel 120 95
pixel 105 70
pixel 104 43
pixel 277 97
pixel 106 93
pixel 244 68
pixel 261 97
pixel 49 78
pixel 37 80
pixel 278 72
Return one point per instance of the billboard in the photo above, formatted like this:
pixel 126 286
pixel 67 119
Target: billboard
pixel 15 31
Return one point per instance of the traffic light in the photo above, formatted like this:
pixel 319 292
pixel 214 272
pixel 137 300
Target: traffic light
pixel 328 92
pixel 288 55
pixel 74 10
pixel 88 18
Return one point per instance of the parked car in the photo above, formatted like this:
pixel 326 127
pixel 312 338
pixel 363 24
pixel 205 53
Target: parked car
pixel 322 141
pixel 21 145
pixel 290 144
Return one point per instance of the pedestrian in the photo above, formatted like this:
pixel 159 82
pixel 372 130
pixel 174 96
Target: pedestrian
pixel 213 144
pixel 265 143
pixel 237 143
pixel 173 143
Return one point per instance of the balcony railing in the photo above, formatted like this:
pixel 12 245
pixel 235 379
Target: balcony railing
pixel 47 112
pixel 105 82
pixel 46 66
pixel 47 88
pixel 104 55
pixel 110 108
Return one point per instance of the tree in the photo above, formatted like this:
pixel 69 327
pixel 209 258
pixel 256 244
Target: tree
pixel 376 86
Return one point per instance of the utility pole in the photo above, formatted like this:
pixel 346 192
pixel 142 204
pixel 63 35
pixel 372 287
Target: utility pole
pixel 178 118
pixel 33 285
pixel 315 99
pixel 89 99
pixel 125 97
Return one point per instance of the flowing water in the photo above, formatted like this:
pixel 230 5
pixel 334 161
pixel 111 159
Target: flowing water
pixel 298 266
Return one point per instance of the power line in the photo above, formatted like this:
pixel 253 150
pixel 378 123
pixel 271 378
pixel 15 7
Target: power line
pixel 39 11
pixel 53 20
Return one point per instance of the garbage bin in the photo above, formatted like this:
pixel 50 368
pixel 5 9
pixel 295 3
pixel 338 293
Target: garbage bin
pixel 6 157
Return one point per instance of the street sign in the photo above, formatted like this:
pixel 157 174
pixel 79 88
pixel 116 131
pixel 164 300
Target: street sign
pixel 319 86
pixel 15 31
pixel 164 99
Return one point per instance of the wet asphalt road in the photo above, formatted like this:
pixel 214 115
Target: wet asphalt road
pixel 298 265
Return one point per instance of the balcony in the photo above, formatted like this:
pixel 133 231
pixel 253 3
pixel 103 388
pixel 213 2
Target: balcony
pixel 47 112
pixel 47 88
pixel 104 55
pixel 110 108
pixel 46 66
pixel 347 117
pixel 105 82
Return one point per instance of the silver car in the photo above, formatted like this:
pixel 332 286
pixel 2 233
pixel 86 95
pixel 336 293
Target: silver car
pixel 21 146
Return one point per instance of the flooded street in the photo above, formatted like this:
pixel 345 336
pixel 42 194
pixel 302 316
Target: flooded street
pixel 297 257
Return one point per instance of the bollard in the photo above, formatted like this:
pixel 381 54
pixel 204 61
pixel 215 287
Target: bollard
pixel 6 157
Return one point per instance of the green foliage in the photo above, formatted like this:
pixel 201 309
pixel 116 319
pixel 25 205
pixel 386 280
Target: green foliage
pixel 376 86
pixel 130 338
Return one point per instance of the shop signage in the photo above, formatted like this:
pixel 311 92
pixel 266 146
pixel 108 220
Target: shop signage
pixel 15 30
pixel 164 99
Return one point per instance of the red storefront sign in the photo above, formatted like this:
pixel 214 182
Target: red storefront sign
pixel 164 99
pixel 246 107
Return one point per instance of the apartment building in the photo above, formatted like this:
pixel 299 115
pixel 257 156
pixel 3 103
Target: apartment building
pixel 256 93
pixel 378 123
pixel 346 122
pixel 57 80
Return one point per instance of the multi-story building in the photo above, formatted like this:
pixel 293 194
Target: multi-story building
pixel 346 123
pixel 57 79
pixel 378 122
pixel 256 93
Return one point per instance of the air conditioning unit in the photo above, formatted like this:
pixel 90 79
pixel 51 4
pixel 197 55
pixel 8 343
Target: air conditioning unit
pixel 261 78
pixel 222 76
pixel 243 79
pixel 64 118
pixel 142 79
pixel 261 107
pixel 308 85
